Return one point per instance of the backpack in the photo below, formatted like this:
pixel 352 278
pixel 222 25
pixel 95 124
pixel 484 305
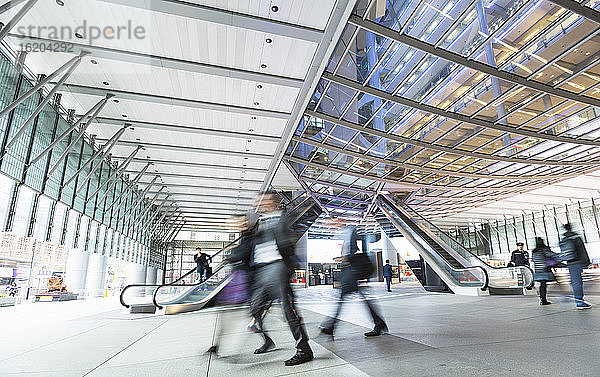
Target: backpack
pixel 361 266
pixel 568 249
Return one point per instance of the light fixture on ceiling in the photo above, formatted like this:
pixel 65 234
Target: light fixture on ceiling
pixel 259 86
pixel 253 118
pixel 251 130
pixel 124 115
pixel 106 83
pixel 79 35
pixel 60 2
pixel 115 100
pixel 137 139
pixel 256 103
pixel 94 61
pixel 275 8
pixel 263 66
pixel 268 40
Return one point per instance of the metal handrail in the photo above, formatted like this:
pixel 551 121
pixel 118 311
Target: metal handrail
pixel 175 281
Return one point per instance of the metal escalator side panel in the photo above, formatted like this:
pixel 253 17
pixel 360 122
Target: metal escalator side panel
pixel 193 306
pixel 467 281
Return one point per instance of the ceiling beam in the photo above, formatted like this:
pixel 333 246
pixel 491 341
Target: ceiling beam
pixel 173 101
pixel 225 17
pixel 169 63
pixel 577 8
pixel 187 129
pixel 439 148
pixel 192 164
pixel 184 148
pixel 405 101
pixel 198 176
pixel 333 32
pixel 466 62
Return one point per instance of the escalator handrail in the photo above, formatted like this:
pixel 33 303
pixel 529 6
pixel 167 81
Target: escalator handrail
pixel 217 270
pixel 458 270
pixel 175 281
pixel 461 245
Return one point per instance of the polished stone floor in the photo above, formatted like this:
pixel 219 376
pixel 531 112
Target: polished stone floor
pixel 430 335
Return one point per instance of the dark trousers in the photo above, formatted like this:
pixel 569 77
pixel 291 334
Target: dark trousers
pixel 332 321
pixel 388 282
pixel 543 290
pixel 271 281
pixel 575 271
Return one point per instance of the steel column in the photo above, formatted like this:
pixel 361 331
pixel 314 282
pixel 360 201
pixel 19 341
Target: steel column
pixel 17 17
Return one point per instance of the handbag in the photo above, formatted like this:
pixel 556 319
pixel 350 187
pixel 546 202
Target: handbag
pixel 551 262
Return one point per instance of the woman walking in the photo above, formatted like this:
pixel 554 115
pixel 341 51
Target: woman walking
pixel 543 260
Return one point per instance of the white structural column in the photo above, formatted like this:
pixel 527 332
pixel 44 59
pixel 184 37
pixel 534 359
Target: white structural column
pixel 76 272
pixel 388 251
pixel 96 275
pixel 151 275
pixel 159 276
pixel 136 273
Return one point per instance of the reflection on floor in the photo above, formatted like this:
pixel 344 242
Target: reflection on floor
pixel 430 335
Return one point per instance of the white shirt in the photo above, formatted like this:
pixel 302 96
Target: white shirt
pixel 267 251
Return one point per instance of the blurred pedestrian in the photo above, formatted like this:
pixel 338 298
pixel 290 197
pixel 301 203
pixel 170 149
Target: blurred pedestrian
pixel 272 260
pixel 351 268
pixel 543 261
pixel 387 275
pixel 574 253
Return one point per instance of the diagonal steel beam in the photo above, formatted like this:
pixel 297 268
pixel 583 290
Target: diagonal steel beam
pixel 305 186
pixel 469 63
pixel 442 148
pixel 580 9
pixel 78 137
pixel 117 171
pixel 17 17
pixel 129 184
pixel 218 16
pixel 102 156
pixel 71 129
pixel 131 210
pixel 39 86
pixel 9 5
pixel 100 152
pixel 452 115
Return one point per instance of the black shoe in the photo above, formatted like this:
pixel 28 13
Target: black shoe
pixel 389 290
pixel 212 349
pixel 300 357
pixel 545 303
pixel 269 345
pixel 327 331
pixel 378 330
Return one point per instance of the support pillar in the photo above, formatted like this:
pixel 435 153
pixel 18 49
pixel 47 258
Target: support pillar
pixel 76 272
pixel 136 273
pixel 96 275
pixel 151 275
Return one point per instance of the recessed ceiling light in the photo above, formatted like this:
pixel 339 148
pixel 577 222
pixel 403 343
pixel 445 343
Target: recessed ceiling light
pixel 124 115
pixel 251 130
pixel 256 103
pixel 60 2
pixel 268 40
pixel 274 8
pixel 137 139
pixel 106 83
pixel 253 118
pixel 259 86
pixel 263 66
pixel 78 35
pixel 94 61
pixel 247 150
pixel 115 100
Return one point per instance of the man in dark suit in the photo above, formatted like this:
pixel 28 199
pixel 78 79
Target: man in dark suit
pixel 387 275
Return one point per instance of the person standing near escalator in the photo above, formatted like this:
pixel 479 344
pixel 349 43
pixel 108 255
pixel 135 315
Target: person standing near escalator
pixel 202 263
pixel 543 261
pixel 519 257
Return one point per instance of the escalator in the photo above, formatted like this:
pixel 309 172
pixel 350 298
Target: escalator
pixel 178 297
pixel 441 254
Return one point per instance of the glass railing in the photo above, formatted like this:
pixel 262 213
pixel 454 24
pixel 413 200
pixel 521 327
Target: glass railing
pixel 475 276
pixel 499 277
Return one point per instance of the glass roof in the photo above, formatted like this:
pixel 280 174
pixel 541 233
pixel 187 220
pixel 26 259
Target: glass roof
pixel 478 100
